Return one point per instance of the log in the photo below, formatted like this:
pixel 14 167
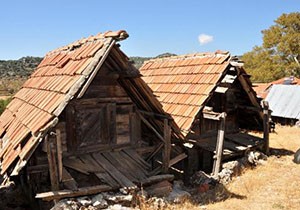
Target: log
pixel 53 195
pixel 158 178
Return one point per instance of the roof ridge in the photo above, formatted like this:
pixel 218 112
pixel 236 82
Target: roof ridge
pixel 192 55
pixel 117 35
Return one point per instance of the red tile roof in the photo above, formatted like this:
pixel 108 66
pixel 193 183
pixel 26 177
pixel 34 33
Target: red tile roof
pixel 183 83
pixel 44 95
pixel 262 89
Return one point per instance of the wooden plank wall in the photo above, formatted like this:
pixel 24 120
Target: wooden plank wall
pixel 104 116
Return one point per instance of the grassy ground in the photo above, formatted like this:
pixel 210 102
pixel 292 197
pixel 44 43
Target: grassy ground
pixel 275 185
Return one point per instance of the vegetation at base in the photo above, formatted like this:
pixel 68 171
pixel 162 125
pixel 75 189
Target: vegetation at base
pixel 4 103
pixel 279 54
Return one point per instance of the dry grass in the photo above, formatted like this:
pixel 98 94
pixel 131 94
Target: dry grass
pixel 275 185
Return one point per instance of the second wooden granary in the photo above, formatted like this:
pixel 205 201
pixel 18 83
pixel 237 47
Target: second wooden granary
pixel 86 116
pixel 198 90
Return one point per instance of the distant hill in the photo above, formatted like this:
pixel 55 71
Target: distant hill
pixel 21 68
pixel 138 61
pixel 24 66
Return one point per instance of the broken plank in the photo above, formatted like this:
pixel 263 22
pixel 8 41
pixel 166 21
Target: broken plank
pixel 106 178
pixel 131 167
pixel 120 165
pixel 137 158
pixel 114 172
pixel 136 165
pixel 94 167
pixel 52 195
pixel 76 164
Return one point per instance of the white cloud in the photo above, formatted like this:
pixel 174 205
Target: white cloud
pixel 205 38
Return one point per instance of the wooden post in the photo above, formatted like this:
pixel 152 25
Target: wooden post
pixel 59 154
pixel 167 146
pixel 219 146
pixel 51 154
pixel 266 126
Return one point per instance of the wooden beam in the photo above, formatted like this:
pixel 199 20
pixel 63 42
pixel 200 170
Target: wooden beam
pixel 95 71
pixel 219 146
pixel 158 148
pixel 167 146
pixel 250 92
pixel 211 115
pixel 177 159
pixel 156 115
pixel 53 195
pixel 266 126
pixel 51 154
pixel 151 127
pixel 95 101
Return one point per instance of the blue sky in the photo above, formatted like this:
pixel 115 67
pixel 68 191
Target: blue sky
pixel 32 28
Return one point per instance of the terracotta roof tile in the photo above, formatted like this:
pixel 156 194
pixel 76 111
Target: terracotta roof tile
pixel 183 83
pixel 34 105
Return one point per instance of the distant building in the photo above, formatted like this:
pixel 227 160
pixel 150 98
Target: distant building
pixel 262 89
pixel 284 101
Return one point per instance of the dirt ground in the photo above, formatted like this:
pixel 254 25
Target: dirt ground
pixel 275 185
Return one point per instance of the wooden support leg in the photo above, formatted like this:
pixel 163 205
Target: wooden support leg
pixel 266 126
pixel 52 154
pixel 220 143
pixel 59 154
pixel 167 146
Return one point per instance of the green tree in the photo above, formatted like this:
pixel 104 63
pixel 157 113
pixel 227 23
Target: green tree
pixel 280 53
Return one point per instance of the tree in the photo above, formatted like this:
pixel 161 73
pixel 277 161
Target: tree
pixel 280 53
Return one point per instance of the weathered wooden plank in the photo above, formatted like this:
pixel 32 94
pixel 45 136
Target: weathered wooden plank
pixel 266 126
pixel 71 128
pixel 157 178
pixel 137 164
pixel 52 154
pixel 93 166
pixel 76 164
pixel 114 172
pixel 176 159
pixel 98 170
pixel 120 165
pixel 95 101
pixel 59 154
pixel 157 149
pixel 130 165
pixel 132 154
pixel 52 195
pixel 152 128
pixel 220 144
pixel 106 178
pixel 135 128
pixel 167 146
pixel 68 181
